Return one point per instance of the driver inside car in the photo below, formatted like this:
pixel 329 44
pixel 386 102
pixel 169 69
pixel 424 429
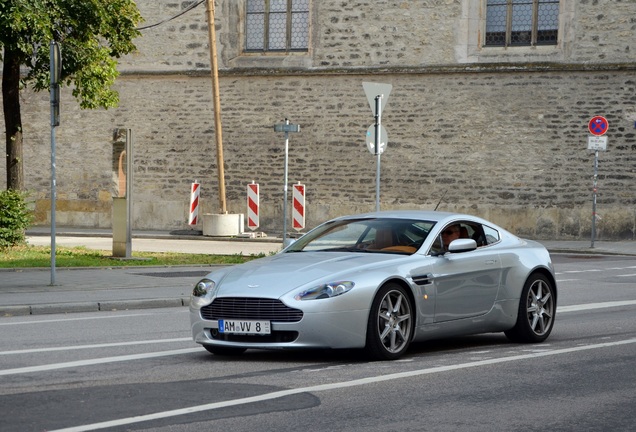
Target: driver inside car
pixel 451 233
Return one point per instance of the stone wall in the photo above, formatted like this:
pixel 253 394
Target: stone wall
pixel 503 141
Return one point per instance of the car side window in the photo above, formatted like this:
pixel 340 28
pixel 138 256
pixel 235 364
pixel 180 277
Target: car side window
pixel 482 234
pixel 452 231
pixel 491 234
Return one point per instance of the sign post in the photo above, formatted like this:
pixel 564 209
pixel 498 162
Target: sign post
pixel 287 128
pixel 55 75
pixel 378 96
pixel 597 126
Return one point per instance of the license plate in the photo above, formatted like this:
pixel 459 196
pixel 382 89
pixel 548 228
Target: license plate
pixel 245 327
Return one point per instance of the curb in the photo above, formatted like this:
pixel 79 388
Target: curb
pixel 109 306
pixel 588 252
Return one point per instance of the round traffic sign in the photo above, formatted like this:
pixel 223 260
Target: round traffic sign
pixel 598 125
pixel 384 139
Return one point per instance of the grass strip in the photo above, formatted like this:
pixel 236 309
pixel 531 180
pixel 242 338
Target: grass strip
pixel 27 256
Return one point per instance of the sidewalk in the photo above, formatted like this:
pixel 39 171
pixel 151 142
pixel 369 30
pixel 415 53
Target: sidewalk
pixel 30 292
pixel 182 241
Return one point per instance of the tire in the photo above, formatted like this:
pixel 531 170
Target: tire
pixel 537 310
pixel 224 351
pixel 390 325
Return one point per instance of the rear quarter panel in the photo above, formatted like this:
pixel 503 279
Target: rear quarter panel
pixel 519 261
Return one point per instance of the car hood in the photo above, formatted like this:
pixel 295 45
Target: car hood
pixel 277 275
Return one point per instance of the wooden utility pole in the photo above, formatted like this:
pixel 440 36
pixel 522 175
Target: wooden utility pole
pixel 214 66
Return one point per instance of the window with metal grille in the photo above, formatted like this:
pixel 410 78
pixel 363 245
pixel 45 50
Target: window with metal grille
pixel 277 25
pixel 522 22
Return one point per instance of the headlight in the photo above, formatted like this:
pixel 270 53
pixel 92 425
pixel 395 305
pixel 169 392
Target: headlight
pixel 201 293
pixel 203 288
pixel 326 291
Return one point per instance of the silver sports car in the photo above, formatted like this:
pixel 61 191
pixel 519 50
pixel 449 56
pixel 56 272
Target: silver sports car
pixel 379 281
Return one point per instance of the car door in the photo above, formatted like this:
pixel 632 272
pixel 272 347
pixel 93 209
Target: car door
pixel 466 284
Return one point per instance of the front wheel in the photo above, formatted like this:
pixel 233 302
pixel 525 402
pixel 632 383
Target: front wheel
pixel 390 324
pixel 537 310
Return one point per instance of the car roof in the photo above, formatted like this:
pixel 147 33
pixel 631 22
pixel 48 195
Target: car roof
pixel 429 215
pixel 440 217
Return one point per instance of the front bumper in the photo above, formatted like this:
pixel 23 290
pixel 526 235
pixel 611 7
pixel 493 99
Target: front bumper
pixel 342 329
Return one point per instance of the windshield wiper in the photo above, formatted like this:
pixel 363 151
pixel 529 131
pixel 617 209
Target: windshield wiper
pixel 342 249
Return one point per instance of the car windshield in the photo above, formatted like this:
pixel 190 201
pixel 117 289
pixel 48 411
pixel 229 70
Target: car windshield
pixel 374 235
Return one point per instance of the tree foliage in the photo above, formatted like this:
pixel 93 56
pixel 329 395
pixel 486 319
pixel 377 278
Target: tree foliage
pixel 15 217
pixel 92 34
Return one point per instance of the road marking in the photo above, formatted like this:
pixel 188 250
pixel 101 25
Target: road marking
pixel 336 386
pixel 96 317
pixel 74 319
pixel 91 362
pixel 579 271
pixel 627 275
pixel 590 306
pixel 81 363
pixel 593 270
pixel 96 346
pixel 566 280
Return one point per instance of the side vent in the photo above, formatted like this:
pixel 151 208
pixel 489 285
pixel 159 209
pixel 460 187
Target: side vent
pixel 422 280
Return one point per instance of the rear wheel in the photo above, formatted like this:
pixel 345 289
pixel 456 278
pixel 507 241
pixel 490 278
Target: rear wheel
pixel 224 351
pixel 390 325
pixel 537 309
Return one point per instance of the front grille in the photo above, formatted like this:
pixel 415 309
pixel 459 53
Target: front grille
pixel 250 309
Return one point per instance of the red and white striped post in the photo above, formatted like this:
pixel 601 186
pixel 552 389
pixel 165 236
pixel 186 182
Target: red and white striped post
pixel 253 203
pixel 194 203
pixel 298 209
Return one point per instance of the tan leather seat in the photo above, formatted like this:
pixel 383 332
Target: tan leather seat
pixel 383 238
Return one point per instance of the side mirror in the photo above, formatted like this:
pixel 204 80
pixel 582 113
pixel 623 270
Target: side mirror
pixel 462 245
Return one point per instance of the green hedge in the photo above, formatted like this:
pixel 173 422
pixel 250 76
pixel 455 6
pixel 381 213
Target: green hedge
pixel 15 217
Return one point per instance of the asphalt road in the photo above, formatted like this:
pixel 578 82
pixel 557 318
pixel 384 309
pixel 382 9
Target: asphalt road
pixel 138 370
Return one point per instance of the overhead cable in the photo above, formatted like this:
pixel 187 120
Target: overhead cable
pixel 183 12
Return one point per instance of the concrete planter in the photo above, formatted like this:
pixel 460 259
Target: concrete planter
pixel 222 225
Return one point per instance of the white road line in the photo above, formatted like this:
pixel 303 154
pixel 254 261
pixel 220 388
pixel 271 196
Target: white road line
pixel 81 363
pixel 590 306
pixel 96 346
pixel 335 386
pixel 566 280
pixel 627 275
pixel 593 270
pixel 73 319
pixel 579 271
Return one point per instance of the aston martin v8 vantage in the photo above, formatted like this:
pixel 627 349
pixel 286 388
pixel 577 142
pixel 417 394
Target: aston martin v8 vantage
pixel 379 281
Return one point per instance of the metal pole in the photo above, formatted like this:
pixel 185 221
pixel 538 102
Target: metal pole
pixel 285 183
pixel 129 188
pixel 54 65
pixel 378 128
pixel 217 106
pixel 594 197
pixel 53 199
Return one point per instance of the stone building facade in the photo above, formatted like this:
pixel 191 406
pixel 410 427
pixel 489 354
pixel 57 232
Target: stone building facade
pixel 500 132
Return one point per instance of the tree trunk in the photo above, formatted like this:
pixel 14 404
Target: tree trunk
pixel 12 118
